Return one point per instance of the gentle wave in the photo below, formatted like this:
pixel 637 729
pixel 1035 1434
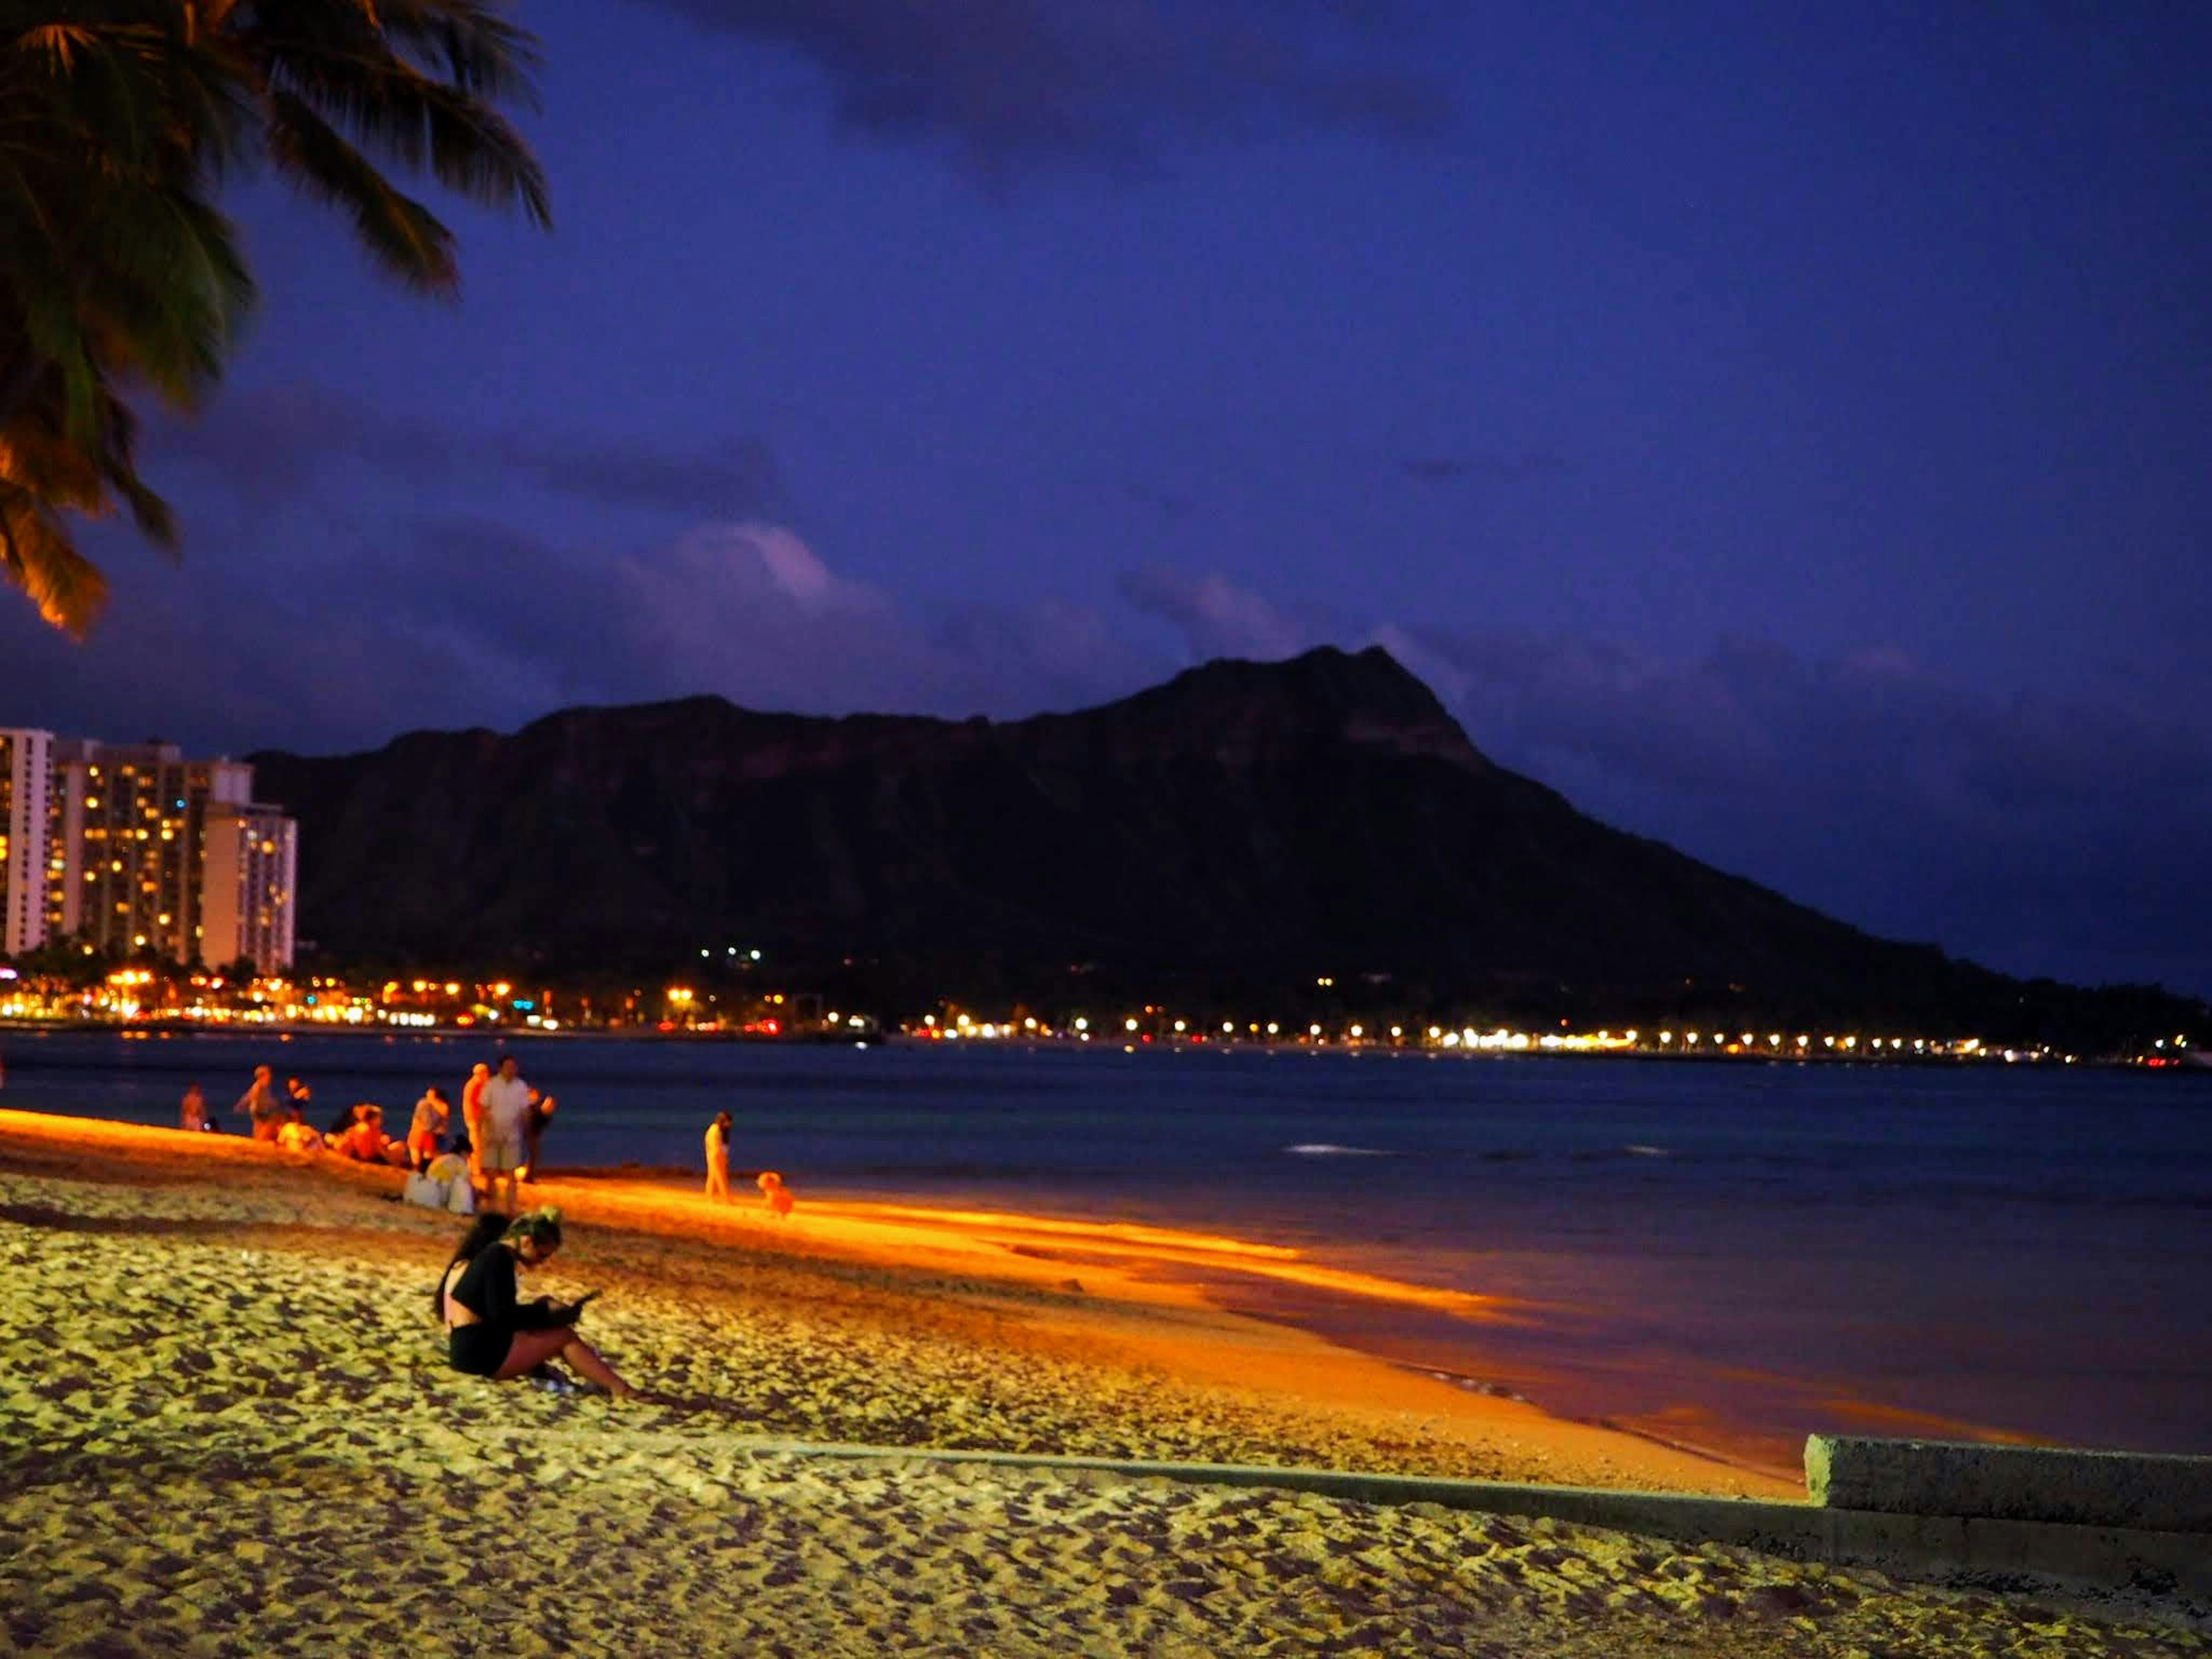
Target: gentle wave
pixel 1327 1149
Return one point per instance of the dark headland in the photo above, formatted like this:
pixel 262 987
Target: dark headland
pixel 1242 828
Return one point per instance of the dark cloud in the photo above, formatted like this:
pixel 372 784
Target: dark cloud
pixel 276 443
pixel 1001 83
pixel 454 623
pixel 1497 469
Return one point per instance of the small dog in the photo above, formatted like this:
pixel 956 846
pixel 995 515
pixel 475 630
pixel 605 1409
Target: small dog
pixel 775 1194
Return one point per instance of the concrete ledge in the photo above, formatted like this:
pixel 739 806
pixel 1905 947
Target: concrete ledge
pixel 2137 1492
pixel 1938 1548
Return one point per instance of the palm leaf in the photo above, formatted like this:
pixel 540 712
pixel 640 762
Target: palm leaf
pixel 399 232
pixel 37 557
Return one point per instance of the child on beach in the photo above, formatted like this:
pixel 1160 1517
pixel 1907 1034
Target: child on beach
pixel 718 1158
pixel 488 1333
pixel 192 1114
pixel 426 1134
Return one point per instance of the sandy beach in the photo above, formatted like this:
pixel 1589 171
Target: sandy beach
pixel 228 1428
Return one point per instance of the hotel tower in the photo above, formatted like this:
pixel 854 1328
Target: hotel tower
pixel 25 758
pixel 137 849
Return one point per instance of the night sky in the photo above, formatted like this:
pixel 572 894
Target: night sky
pixel 1785 430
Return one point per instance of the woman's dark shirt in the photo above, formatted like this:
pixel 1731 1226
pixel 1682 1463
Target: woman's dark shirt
pixel 487 1289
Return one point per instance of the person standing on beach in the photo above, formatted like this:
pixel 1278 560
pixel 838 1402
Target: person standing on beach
pixel 505 1126
pixel 260 1102
pixel 192 1114
pixel 472 1119
pixel 718 1158
pixel 542 1107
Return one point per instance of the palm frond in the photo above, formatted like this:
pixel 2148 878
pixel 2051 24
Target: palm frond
pixel 473 44
pixel 404 236
pixel 37 557
pixel 421 122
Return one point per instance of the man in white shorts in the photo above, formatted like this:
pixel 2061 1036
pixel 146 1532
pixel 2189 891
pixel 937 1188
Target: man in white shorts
pixel 506 1122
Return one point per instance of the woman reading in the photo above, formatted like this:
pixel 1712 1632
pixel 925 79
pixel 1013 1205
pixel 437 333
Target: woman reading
pixel 488 1333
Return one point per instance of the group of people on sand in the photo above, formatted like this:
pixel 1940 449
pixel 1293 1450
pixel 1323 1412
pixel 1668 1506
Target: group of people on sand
pixel 490 1332
pixel 503 1122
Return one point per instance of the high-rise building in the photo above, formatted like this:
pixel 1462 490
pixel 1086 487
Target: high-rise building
pixel 127 834
pixel 25 758
pixel 250 868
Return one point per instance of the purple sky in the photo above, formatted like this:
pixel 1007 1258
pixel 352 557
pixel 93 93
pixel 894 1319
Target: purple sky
pixel 1786 430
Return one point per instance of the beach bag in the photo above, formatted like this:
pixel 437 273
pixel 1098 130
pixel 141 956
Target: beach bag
pixel 420 1189
pixel 460 1197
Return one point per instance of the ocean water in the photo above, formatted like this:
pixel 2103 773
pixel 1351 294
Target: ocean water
pixel 1729 1255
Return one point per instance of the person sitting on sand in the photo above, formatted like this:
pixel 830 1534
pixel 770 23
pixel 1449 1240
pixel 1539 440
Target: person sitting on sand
pixel 427 1132
pixel 297 1136
pixel 489 1334
pixel 718 1158
pixel 365 1140
pixel 488 1228
pixel 775 1194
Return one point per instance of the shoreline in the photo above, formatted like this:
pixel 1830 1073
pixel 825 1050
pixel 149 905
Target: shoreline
pixel 1726 1429
pixel 1141 1296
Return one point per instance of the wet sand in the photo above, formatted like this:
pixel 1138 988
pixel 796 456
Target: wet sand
pixel 226 1427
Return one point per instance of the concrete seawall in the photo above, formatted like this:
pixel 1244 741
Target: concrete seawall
pixel 2011 1483
pixel 1939 1547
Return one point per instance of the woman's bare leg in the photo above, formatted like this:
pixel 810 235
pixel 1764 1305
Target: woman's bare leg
pixel 587 1364
pixel 531 1349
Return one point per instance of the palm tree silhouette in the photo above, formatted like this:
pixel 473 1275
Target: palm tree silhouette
pixel 120 275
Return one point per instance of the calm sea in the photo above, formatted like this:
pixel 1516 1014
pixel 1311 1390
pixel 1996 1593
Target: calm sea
pixel 1725 1255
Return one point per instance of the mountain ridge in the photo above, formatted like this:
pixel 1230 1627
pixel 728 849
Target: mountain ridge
pixel 1239 824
